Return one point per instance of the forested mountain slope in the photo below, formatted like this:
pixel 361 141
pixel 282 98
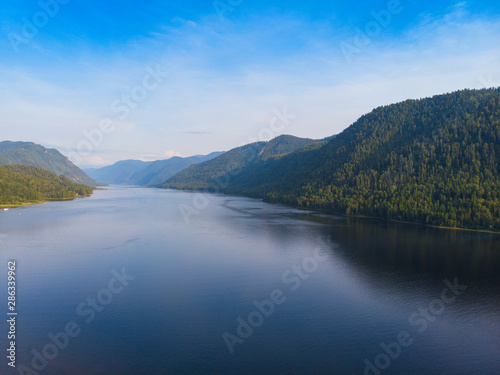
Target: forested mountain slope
pixel 203 174
pixel 22 184
pixel 28 153
pixel 433 161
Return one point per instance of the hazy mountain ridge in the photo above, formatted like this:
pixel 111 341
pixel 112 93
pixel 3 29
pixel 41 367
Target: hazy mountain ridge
pixel 136 172
pixel 203 175
pixel 32 154
pixel 118 173
pixel 161 170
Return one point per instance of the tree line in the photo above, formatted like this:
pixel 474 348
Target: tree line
pixel 22 184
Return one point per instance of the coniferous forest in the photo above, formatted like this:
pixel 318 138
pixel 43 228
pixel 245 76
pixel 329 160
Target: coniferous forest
pixel 432 161
pixel 22 184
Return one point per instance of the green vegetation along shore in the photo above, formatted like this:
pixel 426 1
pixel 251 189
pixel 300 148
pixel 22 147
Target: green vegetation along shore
pixel 22 184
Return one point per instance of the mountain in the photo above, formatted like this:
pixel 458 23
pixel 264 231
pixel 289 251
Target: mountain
pixel 22 184
pixel 136 172
pixel 118 173
pixel 232 162
pixel 431 161
pixel 161 170
pixel 28 153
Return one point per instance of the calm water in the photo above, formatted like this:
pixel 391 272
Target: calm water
pixel 344 287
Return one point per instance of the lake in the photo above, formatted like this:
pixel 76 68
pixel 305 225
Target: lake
pixel 150 281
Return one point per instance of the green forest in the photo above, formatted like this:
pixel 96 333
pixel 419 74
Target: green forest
pixel 29 153
pixel 22 184
pixel 431 161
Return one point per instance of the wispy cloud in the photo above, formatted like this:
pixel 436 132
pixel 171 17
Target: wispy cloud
pixel 197 132
pixel 226 79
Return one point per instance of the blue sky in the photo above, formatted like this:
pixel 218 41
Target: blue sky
pixel 224 71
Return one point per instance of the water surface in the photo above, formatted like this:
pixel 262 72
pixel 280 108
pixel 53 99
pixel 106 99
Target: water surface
pixel 347 286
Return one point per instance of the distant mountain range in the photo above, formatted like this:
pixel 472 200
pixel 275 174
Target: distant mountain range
pixel 432 161
pixel 136 172
pixel 28 153
pixel 197 171
pixel 232 162
pixel 118 173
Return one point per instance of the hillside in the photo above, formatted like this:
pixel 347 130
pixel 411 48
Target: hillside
pixel 28 153
pixel 21 184
pixel 432 161
pixel 232 162
pixel 136 172
pixel 161 170
pixel 118 173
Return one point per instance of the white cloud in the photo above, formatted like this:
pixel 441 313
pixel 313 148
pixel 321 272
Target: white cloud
pixel 225 83
pixel 171 153
pixel 94 160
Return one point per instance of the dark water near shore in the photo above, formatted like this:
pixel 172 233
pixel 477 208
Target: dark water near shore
pixel 345 289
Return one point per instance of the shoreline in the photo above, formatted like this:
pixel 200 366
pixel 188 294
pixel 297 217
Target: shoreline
pixel 396 221
pixel 2 206
pixel 344 215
